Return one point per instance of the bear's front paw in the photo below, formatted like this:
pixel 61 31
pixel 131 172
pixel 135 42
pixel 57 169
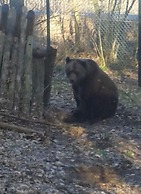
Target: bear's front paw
pixel 70 119
pixel 77 113
pixel 75 117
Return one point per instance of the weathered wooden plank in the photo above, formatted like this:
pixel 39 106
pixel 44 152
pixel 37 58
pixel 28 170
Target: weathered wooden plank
pixel 5 68
pixel 9 61
pixel 20 67
pixel 28 63
pixel 2 41
pixel 27 90
pixel 38 87
pixel 3 26
pixel 0 12
pixel 15 30
pixel 13 57
pixel 28 76
pixel 13 72
pixel 11 21
pixel 4 18
pixel 30 23
pixel 5 55
pixel 39 54
pixel 49 65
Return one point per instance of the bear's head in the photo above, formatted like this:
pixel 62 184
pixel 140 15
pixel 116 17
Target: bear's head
pixel 76 70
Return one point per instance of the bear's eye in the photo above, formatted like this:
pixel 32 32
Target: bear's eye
pixel 68 74
pixel 72 72
pixel 75 72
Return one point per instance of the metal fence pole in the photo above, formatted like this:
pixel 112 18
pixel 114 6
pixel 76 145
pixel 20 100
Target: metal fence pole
pixel 48 23
pixel 49 61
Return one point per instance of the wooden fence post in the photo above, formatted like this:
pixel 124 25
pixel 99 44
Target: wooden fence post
pixel 3 27
pixel 28 63
pixel 39 55
pixel 19 33
pixel 49 65
pixel 12 60
pixel 5 49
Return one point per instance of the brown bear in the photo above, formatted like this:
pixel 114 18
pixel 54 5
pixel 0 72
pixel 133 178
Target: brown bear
pixel 95 93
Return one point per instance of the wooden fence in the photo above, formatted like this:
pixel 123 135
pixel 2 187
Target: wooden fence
pixel 25 71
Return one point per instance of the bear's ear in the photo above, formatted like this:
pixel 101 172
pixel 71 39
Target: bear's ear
pixel 68 60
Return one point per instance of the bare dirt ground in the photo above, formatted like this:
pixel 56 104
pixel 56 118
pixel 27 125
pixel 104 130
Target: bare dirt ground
pixel 102 158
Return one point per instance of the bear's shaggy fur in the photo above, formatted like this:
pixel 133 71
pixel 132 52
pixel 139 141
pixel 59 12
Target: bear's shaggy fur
pixel 95 93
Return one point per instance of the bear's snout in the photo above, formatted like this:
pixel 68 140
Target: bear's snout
pixel 72 81
pixel 72 78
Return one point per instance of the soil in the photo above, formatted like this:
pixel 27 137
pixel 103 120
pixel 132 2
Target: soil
pixel 100 158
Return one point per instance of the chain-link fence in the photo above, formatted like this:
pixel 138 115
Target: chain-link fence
pixel 107 29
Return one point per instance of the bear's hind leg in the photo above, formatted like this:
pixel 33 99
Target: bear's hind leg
pixel 103 107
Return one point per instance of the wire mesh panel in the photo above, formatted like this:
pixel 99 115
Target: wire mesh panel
pixel 106 28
